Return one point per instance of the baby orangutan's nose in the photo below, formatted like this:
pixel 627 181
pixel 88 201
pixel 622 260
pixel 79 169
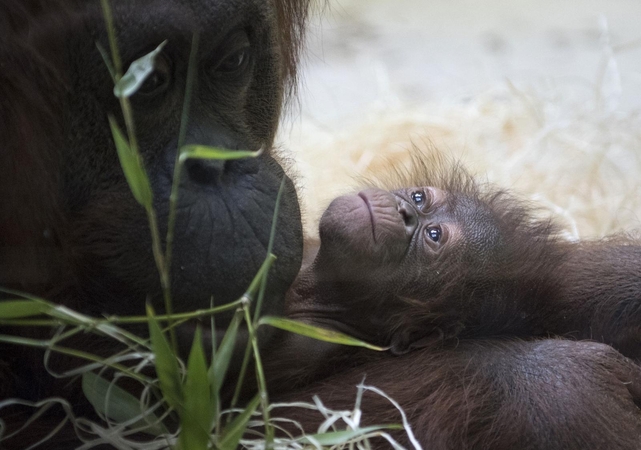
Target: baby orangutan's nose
pixel 408 213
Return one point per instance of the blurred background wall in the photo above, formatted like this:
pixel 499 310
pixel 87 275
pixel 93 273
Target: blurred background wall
pixel 542 97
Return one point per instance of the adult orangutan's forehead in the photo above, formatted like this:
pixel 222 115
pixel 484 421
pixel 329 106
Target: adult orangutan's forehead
pixel 140 22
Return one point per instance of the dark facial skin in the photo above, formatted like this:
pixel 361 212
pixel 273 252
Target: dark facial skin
pixel 377 247
pixel 399 231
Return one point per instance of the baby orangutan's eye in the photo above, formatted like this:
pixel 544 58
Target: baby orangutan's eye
pixel 434 233
pixel 418 198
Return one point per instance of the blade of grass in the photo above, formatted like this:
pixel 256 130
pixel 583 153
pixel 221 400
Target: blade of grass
pixel 245 300
pixel 321 334
pixel 107 61
pixel 260 376
pixel 127 113
pixel 206 152
pixel 132 167
pixel 119 405
pixel 218 369
pixel 234 431
pixel 137 73
pixel 270 247
pixel 166 364
pixel 113 45
pixel 18 309
pixel 47 345
pixel 340 437
pixel 198 415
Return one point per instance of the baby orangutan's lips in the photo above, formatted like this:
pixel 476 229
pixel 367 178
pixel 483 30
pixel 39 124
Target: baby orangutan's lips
pixel 388 230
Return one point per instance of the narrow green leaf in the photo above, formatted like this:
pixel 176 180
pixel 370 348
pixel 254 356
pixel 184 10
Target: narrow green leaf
pixel 339 437
pixel 106 60
pixel 211 373
pixel 218 369
pixel 118 404
pixel 166 365
pixel 234 431
pixel 18 309
pixel 270 247
pixel 311 331
pixel 137 73
pixel 197 416
pixel 132 167
pixel 204 152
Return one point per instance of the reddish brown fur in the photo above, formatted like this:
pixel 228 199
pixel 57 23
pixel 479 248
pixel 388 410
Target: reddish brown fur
pixel 470 388
pixel 493 394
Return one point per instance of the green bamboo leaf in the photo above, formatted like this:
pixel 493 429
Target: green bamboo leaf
pixel 234 431
pixel 311 331
pixel 17 309
pixel 219 367
pixel 132 167
pixel 118 404
pixel 205 152
pixel 197 417
pixel 166 365
pixel 270 247
pixel 137 73
pixel 339 437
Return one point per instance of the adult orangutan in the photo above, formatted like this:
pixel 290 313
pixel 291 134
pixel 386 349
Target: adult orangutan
pixel 72 231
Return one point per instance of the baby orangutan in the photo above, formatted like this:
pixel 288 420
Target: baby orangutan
pixel 474 283
pixel 451 258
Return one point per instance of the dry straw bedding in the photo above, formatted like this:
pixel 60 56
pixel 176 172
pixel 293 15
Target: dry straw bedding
pixel 566 146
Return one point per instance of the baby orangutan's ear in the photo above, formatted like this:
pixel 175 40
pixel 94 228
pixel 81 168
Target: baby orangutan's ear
pixel 406 340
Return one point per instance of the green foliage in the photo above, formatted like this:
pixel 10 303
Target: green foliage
pixel 132 167
pixel 166 363
pixel 340 437
pixel 119 405
pixel 198 415
pixel 205 152
pixel 234 431
pixel 222 357
pixel 137 73
pixel 18 309
pixel 318 333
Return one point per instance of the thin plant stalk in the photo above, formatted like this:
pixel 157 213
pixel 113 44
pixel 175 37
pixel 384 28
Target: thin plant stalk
pixel 184 118
pixel 260 375
pixel 133 143
pixel 133 319
pixel 270 246
pixel 240 379
pixel 45 344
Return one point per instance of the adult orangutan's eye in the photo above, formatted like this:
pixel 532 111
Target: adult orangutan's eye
pixel 235 61
pixel 418 198
pixel 159 80
pixel 434 233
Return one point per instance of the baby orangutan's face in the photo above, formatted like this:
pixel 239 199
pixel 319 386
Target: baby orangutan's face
pixel 407 235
